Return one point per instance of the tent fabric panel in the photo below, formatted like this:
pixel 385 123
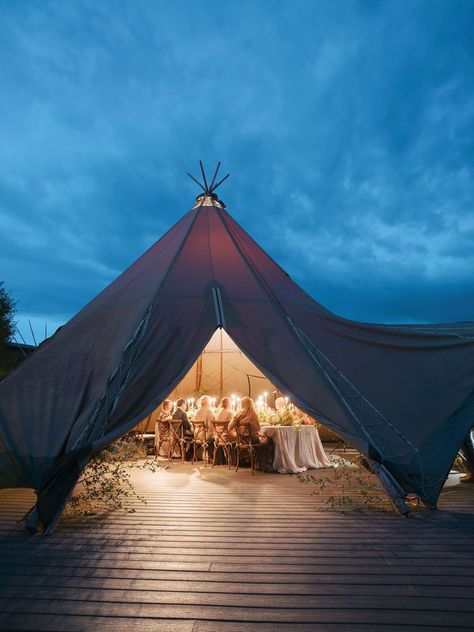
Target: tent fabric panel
pixel 230 270
pixel 418 382
pixel 277 280
pixel 68 373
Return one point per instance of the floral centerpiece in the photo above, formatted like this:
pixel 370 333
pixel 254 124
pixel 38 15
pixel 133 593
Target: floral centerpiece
pixel 285 416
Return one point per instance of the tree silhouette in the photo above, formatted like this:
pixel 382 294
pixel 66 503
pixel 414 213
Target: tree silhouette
pixel 7 327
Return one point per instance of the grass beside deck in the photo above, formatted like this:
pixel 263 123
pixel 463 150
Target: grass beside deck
pixel 214 550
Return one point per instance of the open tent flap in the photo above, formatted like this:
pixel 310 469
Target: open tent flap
pixel 220 370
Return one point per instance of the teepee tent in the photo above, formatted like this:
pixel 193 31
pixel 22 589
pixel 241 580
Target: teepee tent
pixel 402 395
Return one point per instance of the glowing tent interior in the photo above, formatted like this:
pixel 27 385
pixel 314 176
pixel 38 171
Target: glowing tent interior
pixel 220 369
pixel 402 395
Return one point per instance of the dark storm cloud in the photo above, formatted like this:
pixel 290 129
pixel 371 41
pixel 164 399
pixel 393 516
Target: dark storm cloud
pixel 347 126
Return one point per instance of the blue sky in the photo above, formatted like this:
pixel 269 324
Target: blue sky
pixel 347 127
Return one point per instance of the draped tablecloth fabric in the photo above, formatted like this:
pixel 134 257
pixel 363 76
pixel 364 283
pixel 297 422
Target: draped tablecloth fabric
pixel 297 449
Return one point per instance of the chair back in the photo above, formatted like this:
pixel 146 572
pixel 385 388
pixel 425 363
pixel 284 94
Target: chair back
pixel 200 431
pixel 242 433
pixel 176 429
pixel 221 432
pixel 162 428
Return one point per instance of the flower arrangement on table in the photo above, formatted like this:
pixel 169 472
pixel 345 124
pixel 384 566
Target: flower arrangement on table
pixel 285 416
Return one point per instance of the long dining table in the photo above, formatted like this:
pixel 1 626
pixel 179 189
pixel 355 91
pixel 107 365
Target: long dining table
pixel 297 449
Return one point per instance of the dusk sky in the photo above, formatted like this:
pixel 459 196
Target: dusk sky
pixel 347 127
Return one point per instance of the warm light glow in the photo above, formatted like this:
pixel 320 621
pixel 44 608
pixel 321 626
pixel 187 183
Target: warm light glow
pixel 236 402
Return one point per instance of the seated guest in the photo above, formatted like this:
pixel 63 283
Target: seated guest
pixel 206 414
pixel 162 429
pixel 248 415
pixel 180 414
pixel 166 410
pixel 225 413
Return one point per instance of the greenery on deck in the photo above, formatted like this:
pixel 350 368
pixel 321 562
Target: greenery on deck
pixel 106 483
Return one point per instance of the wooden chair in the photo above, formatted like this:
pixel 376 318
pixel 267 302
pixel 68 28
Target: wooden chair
pixel 176 435
pixel 162 435
pixel 231 446
pixel 200 440
pixel 243 443
pixel 221 440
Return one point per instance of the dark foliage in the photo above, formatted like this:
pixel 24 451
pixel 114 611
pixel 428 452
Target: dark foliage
pixel 7 314
pixel 7 327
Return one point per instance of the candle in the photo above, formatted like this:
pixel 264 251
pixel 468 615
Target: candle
pixel 265 398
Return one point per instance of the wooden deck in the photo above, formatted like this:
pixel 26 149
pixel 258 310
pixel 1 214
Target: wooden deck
pixel 218 551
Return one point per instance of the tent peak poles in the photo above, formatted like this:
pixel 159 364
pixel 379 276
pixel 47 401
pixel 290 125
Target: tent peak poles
pixel 208 189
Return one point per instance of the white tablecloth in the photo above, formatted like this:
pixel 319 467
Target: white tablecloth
pixel 297 449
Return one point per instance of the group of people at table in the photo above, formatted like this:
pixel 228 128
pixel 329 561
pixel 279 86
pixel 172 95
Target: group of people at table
pixel 224 427
pixel 230 423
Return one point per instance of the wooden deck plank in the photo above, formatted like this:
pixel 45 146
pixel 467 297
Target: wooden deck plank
pixel 327 578
pixel 272 613
pixel 237 601
pixel 22 622
pixel 215 587
pixel 46 623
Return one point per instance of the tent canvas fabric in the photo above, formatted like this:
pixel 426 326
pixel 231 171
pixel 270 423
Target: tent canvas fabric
pixel 402 395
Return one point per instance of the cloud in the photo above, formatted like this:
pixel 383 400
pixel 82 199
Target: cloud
pixel 347 128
